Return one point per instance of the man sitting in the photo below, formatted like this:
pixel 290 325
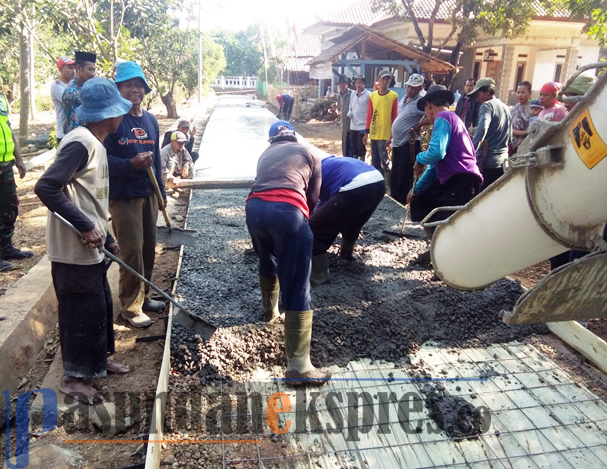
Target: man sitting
pixel 176 159
pixel 183 126
pixel 452 176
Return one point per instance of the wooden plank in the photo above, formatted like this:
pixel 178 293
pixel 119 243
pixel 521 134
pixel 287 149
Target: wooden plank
pixel 588 344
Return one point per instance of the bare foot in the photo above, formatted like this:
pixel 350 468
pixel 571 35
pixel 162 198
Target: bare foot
pixel 80 389
pixel 117 368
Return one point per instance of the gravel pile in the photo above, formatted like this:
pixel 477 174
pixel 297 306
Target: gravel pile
pixel 379 306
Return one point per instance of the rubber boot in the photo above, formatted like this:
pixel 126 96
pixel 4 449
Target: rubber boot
pixel 347 249
pixel 298 335
pixel 8 251
pixel 270 291
pixel 320 269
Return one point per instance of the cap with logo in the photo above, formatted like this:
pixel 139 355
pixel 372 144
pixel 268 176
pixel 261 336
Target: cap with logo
pixel 178 136
pixel 483 83
pixel 384 73
pixel 281 129
pixel 415 80
pixel 101 100
pixel 65 60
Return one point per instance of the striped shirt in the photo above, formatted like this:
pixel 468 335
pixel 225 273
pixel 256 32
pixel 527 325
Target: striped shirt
pixel 408 117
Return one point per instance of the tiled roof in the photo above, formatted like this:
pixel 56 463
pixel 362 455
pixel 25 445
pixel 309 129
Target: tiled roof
pixel 308 45
pixel 364 12
pixel 298 64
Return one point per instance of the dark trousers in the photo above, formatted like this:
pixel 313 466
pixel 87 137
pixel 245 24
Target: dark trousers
pixel 346 145
pixel 459 190
pixel 283 240
pixel 401 177
pixel 86 321
pixel 345 213
pixel 194 155
pixel 286 110
pixel 490 175
pixel 9 203
pixel 358 149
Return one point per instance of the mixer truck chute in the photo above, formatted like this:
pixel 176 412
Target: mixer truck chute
pixel 552 198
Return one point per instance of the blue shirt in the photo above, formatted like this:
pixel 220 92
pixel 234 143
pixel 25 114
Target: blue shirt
pixel 134 135
pixel 71 100
pixel 338 172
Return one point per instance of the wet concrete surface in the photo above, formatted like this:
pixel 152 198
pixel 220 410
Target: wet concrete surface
pixel 234 138
pixel 379 306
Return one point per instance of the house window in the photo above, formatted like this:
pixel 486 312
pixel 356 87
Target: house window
pixel 520 73
pixel 477 70
pixel 557 72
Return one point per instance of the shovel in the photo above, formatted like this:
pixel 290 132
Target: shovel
pixel 168 234
pixel 185 318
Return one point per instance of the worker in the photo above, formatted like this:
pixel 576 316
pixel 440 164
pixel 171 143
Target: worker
pixel 405 139
pixel 358 117
pixel 285 191
pixel 553 110
pixel 343 97
pixel 382 109
pixel 183 126
pixel 467 106
pixel 176 159
pixel 85 70
pixel 285 103
pixel 493 132
pixel 452 176
pixel 10 157
pixel 66 68
pixel 350 192
pixel 132 149
pixel 76 186
pixel 580 86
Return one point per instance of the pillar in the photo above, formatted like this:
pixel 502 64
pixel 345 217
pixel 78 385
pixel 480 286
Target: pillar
pixel 570 63
pixel 507 73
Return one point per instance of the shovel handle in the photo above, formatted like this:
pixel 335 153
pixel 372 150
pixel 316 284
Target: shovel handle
pixel 122 264
pixel 152 177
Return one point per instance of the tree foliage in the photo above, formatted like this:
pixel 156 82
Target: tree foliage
pixel 593 13
pixel 243 51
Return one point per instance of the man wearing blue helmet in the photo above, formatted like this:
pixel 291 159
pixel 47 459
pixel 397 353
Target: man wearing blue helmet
pixel 285 192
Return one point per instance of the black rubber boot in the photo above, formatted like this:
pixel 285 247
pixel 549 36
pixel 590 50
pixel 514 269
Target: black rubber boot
pixel 8 252
pixel 320 269
pixel 153 306
pixel 270 291
pixel 6 266
pixel 298 335
pixel 347 249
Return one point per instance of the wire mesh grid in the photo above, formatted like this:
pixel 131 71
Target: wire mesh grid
pixel 539 417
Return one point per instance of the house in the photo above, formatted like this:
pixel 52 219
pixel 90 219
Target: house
pixel 292 60
pixel 551 50
pixel 361 50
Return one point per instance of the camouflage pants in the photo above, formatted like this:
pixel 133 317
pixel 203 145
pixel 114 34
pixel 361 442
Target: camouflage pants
pixel 9 203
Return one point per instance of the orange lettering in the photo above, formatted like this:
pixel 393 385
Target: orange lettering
pixel 273 410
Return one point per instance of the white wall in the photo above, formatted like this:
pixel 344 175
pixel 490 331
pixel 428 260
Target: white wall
pixel 589 54
pixel 545 66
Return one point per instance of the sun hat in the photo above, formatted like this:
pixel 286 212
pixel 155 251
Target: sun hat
pixel 281 129
pixel 129 70
pixel 415 80
pixel 581 85
pixel 384 73
pixel 65 61
pixel 178 136
pixel 482 83
pixel 101 100
pixel 436 91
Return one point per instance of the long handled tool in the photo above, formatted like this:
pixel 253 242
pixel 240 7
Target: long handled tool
pixel 183 317
pixel 169 234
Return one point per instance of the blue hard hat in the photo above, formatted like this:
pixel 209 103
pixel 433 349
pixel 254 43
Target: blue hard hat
pixel 281 129
pixel 128 70
pixel 101 100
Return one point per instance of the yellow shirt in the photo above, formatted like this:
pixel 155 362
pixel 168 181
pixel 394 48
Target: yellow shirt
pixel 381 112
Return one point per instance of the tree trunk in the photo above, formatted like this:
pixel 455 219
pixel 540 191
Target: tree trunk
pixel 453 60
pixel 32 79
pixel 24 83
pixel 171 105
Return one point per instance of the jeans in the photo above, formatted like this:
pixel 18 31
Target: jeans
pixel 379 155
pixel 345 213
pixel 283 241
pixel 356 144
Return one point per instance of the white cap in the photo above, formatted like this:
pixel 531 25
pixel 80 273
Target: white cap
pixel 415 80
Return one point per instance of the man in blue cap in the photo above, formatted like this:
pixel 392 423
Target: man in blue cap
pixel 132 149
pixel 76 186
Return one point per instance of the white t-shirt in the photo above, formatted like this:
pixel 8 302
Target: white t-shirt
pixel 57 89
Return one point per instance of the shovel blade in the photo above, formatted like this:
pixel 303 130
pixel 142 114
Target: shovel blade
pixel 176 236
pixel 194 324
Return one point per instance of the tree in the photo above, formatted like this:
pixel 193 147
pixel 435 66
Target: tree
pixel 466 17
pixel 242 51
pixel 170 57
pixel 593 13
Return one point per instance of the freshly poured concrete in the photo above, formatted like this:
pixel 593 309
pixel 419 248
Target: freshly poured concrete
pixel 235 137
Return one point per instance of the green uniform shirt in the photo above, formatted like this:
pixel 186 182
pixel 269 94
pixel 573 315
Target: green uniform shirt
pixel 7 145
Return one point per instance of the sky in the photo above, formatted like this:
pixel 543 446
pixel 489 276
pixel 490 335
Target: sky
pixel 237 14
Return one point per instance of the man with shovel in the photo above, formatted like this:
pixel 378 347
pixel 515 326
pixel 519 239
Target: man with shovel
pixel 134 206
pixel 76 186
